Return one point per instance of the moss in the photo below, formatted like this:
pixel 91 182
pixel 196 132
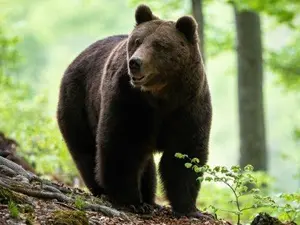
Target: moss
pixel 7 195
pixel 68 217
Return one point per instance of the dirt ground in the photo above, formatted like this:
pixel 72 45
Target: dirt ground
pixel 42 211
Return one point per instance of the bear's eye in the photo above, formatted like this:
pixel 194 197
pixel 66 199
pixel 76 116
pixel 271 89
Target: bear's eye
pixel 138 42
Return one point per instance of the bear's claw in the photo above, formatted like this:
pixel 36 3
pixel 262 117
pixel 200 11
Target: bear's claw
pixel 140 209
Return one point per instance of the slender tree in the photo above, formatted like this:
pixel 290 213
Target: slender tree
pixel 250 90
pixel 197 10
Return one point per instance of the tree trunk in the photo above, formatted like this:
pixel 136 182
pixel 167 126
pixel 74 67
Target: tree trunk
pixel 197 9
pixel 250 90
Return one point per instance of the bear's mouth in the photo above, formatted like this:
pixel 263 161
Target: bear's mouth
pixel 137 81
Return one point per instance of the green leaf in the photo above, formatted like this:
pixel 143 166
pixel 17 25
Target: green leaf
pixel 197 169
pixel 188 165
pixel 195 160
pixel 248 168
pixel 224 169
pixel 217 168
pixel 235 169
pixel 208 179
pixel 179 155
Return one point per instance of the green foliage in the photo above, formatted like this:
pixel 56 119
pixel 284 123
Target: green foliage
pixel 180 156
pixel 283 11
pixel 9 55
pixel 285 63
pixel 218 38
pixel 26 120
pixel 297 134
pixel 24 117
pixel 79 203
pixel 13 209
pixel 286 206
pixel 48 43
pixel 188 165
pixel 244 184
pixel 293 159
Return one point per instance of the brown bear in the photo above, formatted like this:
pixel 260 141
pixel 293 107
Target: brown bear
pixel 128 96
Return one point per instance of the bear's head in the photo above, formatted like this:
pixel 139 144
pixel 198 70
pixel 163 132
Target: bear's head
pixel 161 52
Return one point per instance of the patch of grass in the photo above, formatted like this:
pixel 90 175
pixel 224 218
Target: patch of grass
pixel 13 210
pixel 79 203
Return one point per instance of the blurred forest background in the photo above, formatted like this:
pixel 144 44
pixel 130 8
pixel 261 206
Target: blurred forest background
pixel 256 109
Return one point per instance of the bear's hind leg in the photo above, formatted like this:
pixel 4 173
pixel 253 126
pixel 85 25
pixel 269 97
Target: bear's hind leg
pixel 73 124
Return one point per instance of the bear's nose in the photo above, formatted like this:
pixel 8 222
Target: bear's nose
pixel 135 64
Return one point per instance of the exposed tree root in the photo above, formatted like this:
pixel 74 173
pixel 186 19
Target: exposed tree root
pixel 14 178
pixel 17 169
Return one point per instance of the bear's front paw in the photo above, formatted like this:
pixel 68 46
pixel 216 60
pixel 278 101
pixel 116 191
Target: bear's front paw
pixel 143 208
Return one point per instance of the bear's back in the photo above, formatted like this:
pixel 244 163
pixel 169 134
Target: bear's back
pixel 86 72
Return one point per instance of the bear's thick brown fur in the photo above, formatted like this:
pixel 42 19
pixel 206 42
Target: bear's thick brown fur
pixel 125 97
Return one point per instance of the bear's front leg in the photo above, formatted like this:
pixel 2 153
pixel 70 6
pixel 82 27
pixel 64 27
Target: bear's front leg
pixel 123 148
pixel 186 131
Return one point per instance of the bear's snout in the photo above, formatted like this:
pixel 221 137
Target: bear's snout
pixel 135 65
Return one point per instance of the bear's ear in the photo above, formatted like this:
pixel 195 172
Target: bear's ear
pixel 143 14
pixel 188 26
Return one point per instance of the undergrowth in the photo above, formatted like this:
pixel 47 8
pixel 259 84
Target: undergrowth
pixel 246 191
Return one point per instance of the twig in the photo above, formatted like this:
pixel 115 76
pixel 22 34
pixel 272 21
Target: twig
pixel 236 201
pixel 66 205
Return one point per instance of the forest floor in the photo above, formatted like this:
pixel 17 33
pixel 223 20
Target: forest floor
pixel 27 199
